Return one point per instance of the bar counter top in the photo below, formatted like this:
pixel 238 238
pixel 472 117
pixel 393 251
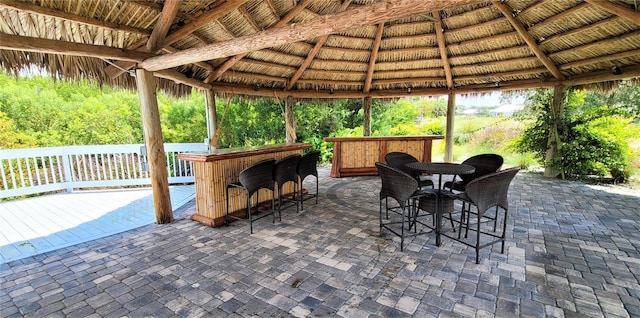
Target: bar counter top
pixel 239 152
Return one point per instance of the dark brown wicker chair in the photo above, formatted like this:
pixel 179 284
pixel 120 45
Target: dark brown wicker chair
pixel 399 160
pixel 253 178
pixel 283 172
pixel 308 166
pixel 402 188
pixel 484 193
pixel 484 164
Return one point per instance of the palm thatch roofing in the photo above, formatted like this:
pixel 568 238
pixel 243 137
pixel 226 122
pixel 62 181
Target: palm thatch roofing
pixel 327 48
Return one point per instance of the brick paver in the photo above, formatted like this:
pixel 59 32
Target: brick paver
pixel 573 250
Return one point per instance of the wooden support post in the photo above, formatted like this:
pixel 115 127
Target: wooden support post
pixel 366 121
pixel 290 120
pixel 212 117
pixel 146 83
pixel 448 138
pixel 553 140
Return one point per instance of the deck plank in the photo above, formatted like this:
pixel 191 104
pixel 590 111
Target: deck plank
pixel 40 224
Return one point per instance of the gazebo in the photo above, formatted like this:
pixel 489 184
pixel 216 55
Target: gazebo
pixel 298 49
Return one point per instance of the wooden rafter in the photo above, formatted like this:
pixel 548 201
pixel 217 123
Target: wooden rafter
pixel 593 26
pixel 328 24
pixel 208 67
pixel 163 24
pixel 30 44
pixel 531 42
pixel 312 54
pixel 373 58
pixel 621 11
pixel 35 9
pixel 443 49
pixel 187 29
pixel 605 58
pixel 233 60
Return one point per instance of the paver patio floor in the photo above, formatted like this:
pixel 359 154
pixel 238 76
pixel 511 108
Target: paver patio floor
pixel 573 250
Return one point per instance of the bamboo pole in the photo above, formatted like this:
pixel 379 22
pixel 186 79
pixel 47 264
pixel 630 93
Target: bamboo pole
pixel 448 139
pixel 290 120
pixel 553 141
pixel 146 83
pixel 366 121
pixel 212 117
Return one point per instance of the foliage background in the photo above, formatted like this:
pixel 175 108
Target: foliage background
pixel 602 133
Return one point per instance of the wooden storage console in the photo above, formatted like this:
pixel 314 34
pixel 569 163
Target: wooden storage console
pixel 356 156
pixel 214 169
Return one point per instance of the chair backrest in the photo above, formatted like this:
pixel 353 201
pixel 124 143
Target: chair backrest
pixel 285 169
pixel 484 164
pixel 396 184
pixel 399 161
pixel 258 176
pixel 491 189
pixel 308 165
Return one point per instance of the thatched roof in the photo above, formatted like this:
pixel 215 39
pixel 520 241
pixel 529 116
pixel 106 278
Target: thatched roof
pixel 327 48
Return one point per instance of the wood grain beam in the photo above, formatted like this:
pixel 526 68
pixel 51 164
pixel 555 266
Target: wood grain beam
pixel 31 44
pixel 531 42
pixel 233 60
pixel 442 47
pixel 187 29
pixel 312 54
pixel 163 24
pixel 324 25
pixel 52 13
pixel 621 11
pixel 208 67
pixel 373 57
pixel 181 79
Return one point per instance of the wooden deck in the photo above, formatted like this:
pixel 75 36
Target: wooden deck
pixel 41 224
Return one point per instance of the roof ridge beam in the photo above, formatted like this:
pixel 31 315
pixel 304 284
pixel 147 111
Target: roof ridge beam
pixel 327 24
pixel 621 11
pixel 546 61
pixel 234 59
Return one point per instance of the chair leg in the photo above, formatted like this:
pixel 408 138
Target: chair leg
pixel 478 241
pixel 402 231
pixel 301 195
pixel 504 230
pixel 380 215
pixel 249 213
pixel 226 216
pixel 317 189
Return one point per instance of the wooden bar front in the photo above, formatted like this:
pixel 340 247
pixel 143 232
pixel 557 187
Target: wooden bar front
pixel 216 168
pixel 356 156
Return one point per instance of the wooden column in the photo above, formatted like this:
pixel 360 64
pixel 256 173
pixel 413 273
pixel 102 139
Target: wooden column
pixel 448 138
pixel 553 140
pixel 290 120
pixel 212 117
pixel 366 121
pixel 146 83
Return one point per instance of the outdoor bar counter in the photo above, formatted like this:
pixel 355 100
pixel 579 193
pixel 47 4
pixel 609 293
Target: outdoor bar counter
pixel 216 168
pixel 356 156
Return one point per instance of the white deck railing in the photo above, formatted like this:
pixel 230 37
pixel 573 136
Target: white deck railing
pixel 37 170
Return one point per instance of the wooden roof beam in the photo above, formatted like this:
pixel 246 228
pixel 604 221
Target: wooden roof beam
pixel 192 26
pixel 39 10
pixel 442 46
pixel 163 24
pixel 31 44
pixel 546 61
pixel 621 11
pixel 605 58
pixel 373 57
pixel 312 54
pixel 233 60
pixel 324 25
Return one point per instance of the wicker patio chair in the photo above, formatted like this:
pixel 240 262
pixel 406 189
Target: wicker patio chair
pixel 484 164
pixel 308 166
pixel 283 172
pixel 402 188
pixel 399 160
pixel 253 178
pixel 484 193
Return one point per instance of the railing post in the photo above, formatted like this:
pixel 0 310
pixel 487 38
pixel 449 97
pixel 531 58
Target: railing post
pixel 66 167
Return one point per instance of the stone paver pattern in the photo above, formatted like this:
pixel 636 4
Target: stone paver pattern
pixel 573 250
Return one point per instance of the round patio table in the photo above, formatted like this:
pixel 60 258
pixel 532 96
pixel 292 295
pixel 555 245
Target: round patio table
pixel 441 168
